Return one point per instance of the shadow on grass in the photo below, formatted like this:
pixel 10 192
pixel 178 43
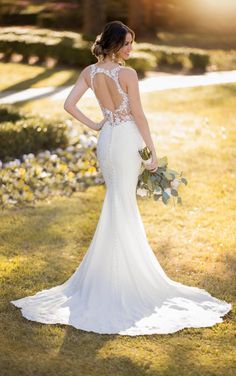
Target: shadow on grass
pixel 218 284
pixel 47 242
pixel 26 84
pixel 79 342
pixel 184 359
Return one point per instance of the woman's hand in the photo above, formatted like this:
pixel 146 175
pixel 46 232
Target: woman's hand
pixel 153 165
pixel 98 126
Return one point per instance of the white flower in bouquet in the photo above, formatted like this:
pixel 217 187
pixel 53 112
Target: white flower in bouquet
pixel 163 183
pixel 175 183
pixel 168 191
pixel 147 161
pixel 141 192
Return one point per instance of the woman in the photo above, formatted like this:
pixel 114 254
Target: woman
pixel 120 287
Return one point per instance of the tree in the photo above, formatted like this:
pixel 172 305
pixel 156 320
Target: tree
pixel 94 17
pixel 141 16
pixel 135 16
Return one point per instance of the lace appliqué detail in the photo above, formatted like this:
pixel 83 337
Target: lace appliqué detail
pixel 122 113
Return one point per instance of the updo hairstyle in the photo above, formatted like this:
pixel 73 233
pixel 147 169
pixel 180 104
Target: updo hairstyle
pixel 111 39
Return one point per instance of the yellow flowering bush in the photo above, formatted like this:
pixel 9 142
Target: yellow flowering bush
pixel 60 171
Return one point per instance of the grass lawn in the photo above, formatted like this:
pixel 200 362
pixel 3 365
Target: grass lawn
pixel 23 76
pixel 195 244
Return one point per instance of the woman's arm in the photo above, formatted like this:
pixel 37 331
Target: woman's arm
pixel 76 93
pixel 137 110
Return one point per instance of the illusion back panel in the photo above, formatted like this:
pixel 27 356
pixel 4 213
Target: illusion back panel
pixel 107 92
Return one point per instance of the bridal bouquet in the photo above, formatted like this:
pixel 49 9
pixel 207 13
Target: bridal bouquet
pixel 163 183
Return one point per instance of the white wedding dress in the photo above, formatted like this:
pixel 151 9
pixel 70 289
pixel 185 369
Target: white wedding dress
pixel 120 287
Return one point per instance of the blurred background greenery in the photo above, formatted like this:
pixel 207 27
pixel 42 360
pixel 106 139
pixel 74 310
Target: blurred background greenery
pixel 52 191
pixel 174 34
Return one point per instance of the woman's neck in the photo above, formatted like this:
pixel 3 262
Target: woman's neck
pixel 108 60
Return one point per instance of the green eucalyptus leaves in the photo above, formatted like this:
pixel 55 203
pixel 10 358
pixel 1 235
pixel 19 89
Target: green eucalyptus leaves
pixel 161 184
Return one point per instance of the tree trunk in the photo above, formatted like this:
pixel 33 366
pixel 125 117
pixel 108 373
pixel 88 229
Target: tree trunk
pixel 135 16
pixel 94 17
pixel 141 16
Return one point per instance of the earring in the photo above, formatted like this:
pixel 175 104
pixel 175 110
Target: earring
pixel 113 57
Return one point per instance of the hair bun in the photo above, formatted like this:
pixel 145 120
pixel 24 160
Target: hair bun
pixel 97 48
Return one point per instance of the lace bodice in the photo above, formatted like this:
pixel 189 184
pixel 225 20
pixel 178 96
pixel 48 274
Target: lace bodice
pixel 122 112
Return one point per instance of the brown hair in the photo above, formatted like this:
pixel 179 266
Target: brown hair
pixel 111 39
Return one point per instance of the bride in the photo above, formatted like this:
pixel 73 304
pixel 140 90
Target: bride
pixel 120 287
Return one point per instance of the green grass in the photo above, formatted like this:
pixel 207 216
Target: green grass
pixel 24 76
pixel 195 244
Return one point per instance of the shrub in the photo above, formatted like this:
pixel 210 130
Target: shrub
pixel 20 134
pixel 199 61
pixel 142 61
pixel 71 48
pixel 8 113
pixel 176 61
pixel 176 58
pixel 66 47
pixel 59 172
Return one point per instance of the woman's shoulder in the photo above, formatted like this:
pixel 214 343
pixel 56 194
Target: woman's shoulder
pixel 86 72
pixel 128 72
pixel 87 69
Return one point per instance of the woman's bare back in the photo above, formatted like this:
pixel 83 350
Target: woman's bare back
pixel 110 92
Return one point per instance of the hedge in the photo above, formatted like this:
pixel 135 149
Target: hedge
pixel 179 58
pixel 22 134
pixel 65 47
pixel 70 48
